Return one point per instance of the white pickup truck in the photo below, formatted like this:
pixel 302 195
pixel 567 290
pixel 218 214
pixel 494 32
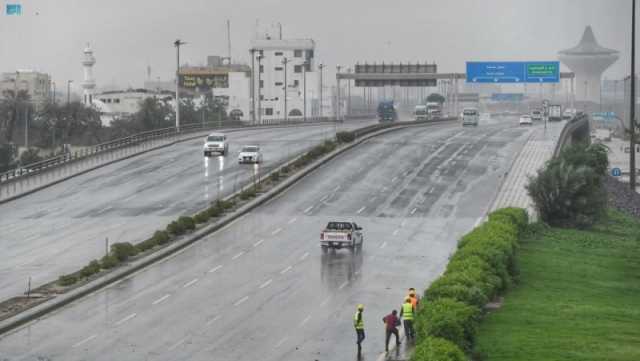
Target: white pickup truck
pixel 339 235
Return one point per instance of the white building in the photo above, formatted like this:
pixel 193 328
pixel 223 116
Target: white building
pixel 121 103
pixel 271 58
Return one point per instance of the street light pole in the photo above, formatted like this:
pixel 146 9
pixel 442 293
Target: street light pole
pixel 177 44
pixel 253 86
pixel 69 91
pixel 632 111
pixel 338 67
pixel 321 66
pixel 285 61
pixel 260 89
pixel 54 91
pixel 304 90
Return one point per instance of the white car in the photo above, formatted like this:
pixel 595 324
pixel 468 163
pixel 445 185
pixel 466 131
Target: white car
pixel 568 113
pixel 250 154
pixel 470 117
pixel 526 120
pixel 216 143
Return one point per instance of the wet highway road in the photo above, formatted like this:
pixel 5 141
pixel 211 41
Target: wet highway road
pixel 260 289
pixel 61 228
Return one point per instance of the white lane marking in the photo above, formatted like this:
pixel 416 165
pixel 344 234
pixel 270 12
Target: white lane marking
pixel 361 209
pixel 240 301
pixel 276 231
pixel 324 198
pixel 308 209
pixel 395 233
pixel 281 342
pixel 292 220
pixel 286 270
pixel 190 283
pixel 414 211
pixel 304 256
pixel 126 319
pixel 213 320
pixel 306 319
pixel 431 190
pixel 404 221
pixel 130 197
pixel 343 285
pixel 336 188
pixel 373 199
pixel 237 256
pixel 265 284
pixel 84 341
pixel 175 345
pixel 384 244
pixel 161 299
pixel 326 300
pixel 394 179
pixel 215 268
pixel 258 243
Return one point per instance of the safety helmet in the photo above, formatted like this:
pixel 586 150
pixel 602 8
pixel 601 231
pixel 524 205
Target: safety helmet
pixel 408 299
pixel 360 307
pixel 412 293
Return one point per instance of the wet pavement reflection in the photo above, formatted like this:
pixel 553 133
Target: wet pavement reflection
pixel 340 268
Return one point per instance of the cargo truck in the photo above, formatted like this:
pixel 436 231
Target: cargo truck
pixel 555 112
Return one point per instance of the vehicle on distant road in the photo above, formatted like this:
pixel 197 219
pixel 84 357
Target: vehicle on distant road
pixel 337 235
pixel 387 111
pixel 470 116
pixel 250 154
pixel 420 112
pixel 434 110
pixel 526 120
pixel 536 114
pixel 555 112
pixel 568 113
pixel 216 143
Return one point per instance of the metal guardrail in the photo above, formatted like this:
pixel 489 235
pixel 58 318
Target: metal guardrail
pixel 567 134
pixel 137 139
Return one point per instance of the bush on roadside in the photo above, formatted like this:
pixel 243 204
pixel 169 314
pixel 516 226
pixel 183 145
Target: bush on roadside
pixel 437 349
pixel 201 217
pixel 187 223
pixel 448 319
pixel 224 205
pixel 248 194
pixel 146 244
pixel 175 228
pixel 285 169
pixel 89 270
pixel 109 262
pixel 214 211
pixel 67 280
pixel 122 251
pixel 345 137
pixel 161 237
pixel 275 176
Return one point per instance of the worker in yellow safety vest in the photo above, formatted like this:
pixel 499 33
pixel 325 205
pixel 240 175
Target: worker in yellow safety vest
pixel 407 313
pixel 358 324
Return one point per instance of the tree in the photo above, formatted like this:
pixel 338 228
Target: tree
pixel 436 98
pixel 154 113
pixel 12 105
pixel 63 123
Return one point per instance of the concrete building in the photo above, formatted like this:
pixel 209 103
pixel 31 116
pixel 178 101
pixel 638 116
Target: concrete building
pixel 588 60
pixel 89 82
pixel 268 90
pixel 121 103
pixel 37 85
pixel 228 83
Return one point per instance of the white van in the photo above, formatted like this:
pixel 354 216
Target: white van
pixel 215 143
pixel 470 116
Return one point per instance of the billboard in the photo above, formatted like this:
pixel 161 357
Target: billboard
pixel 203 82
pixel 513 72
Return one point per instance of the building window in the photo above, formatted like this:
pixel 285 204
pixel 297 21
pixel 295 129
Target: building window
pixel 262 68
pixel 297 68
pixel 279 68
pixel 261 83
pixel 261 52
pixel 116 100
pixel 307 66
pixel 261 96
pixel 268 111
pixel 297 53
pixel 278 83
pixel 309 54
pixel 296 83
pixel 278 53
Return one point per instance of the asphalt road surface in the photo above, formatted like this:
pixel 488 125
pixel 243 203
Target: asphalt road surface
pixel 61 228
pixel 260 289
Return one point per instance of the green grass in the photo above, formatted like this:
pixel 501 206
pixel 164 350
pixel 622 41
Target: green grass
pixel 577 298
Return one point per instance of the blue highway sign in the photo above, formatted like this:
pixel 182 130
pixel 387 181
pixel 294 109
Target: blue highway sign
pixel 14 9
pixel 513 72
pixel 616 172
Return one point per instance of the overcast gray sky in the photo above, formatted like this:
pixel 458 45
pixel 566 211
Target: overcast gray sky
pixel 128 35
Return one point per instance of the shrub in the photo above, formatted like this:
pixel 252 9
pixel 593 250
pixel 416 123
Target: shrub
pixel 161 237
pixel 147 244
pixel 214 211
pixel 201 217
pixel 449 319
pixel 108 262
pixel 345 137
pixel 67 280
pixel 92 268
pixel 275 176
pixel 285 169
pixel 248 194
pixel 437 349
pixel 224 205
pixel 176 228
pixel 30 156
pixel 517 216
pixel 591 155
pixel 187 223
pixel 122 251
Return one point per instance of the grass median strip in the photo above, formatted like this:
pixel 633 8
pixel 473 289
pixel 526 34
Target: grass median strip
pixel 578 297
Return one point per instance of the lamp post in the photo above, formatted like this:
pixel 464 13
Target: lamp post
pixel 338 67
pixel 304 90
pixel 177 44
pixel 632 111
pixel 285 61
pixel 321 66
pixel 53 83
pixel 253 86
pixel 69 91
pixel 260 89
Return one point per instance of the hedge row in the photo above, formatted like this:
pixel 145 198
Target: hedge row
pixel 482 267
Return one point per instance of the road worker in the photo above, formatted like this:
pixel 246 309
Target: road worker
pixel 358 324
pixel 407 313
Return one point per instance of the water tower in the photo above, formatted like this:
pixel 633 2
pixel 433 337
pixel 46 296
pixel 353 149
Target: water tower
pixel 588 60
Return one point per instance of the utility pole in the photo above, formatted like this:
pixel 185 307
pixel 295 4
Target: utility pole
pixel 177 44
pixel 54 91
pixel 253 86
pixel 348 94
pixel 69 91
pixel 321 66
pixel 304 90
pixel 338 67
pixel 632 111
pixel 285 61
pixel 260 89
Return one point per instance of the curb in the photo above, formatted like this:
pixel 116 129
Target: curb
pixel 12 198
pixel 56 303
